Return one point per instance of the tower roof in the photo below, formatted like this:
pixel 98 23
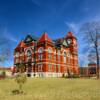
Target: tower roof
pixel 70 35
pixel 20 45
pixel 45 37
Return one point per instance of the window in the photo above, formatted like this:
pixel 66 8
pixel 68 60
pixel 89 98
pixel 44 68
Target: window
pixel 17 60
pixel 40 50
pixel 69 58
pixel 17 54
pixel 49 67
pixel 92 70
pixel 40 56
pixel 49 53
pixel 54 68
pixel 22 54
pixel 58 52
pixel 64 57
pixel 29 54
pixel 40 67
pixel 59 55
pixel 58 68
pixel 54 57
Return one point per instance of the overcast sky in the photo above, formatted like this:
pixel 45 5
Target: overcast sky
pixel 21 17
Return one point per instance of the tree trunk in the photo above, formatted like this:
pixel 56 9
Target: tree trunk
pixel 98 69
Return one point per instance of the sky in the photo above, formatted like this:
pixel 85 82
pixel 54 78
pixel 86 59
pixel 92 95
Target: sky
pixel 56 17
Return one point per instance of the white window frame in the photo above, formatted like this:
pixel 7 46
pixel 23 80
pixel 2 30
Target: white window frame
pixel 17 54
pixel 40 53
pixel 50 53
pixel 65 56
pixel 58 68
pixel 55 68
pixel 50 67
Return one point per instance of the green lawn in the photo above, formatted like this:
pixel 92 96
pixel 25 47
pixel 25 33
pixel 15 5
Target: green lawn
pixel 52 89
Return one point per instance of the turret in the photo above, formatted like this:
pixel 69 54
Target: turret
pixel 72 42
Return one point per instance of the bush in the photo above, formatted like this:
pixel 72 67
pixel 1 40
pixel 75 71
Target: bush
pixel 20 79
pixel 16 92
pixel 63 76
pixel 3 74
pixel 75 76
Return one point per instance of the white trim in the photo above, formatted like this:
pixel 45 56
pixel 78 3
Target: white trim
pixel 52 63
pixel 40 48
pixel 27 50
pixel 45 74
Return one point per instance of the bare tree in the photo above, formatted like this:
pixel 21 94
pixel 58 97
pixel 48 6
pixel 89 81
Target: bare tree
pixel 4 54
pixel 5 49
pixel 91 34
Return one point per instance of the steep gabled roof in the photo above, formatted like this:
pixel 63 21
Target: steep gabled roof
pixel 61 41
pixel 58 41
pixel 44 37
pixel 20 45
pixel 70 35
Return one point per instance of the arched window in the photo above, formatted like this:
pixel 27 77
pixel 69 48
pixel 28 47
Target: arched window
pixel 49 53
pixel 29 55
pixel 40 50
pixel 40 55
pixel 64 57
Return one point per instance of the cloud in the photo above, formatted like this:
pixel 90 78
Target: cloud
pixel 83 60
pixel 72 26
pixel 6 36
pixel 11 38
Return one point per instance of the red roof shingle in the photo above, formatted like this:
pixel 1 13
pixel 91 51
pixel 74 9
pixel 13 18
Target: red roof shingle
pixel 45 37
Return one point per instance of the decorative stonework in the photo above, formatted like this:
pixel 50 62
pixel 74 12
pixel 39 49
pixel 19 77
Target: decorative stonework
pixel 60 55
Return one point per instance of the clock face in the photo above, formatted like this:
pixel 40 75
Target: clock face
pixel 69 41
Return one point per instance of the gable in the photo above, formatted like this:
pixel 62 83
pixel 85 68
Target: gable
pixel 28 39
pixel 65 43
pixel 44 38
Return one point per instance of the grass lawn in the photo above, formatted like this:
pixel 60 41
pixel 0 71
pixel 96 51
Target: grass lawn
pixel 52 89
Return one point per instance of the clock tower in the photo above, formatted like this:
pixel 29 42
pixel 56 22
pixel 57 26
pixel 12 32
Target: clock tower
pixel 72 42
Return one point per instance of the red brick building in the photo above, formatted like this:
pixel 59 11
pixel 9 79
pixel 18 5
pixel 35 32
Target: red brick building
pixel 92 69
pixel 44 57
